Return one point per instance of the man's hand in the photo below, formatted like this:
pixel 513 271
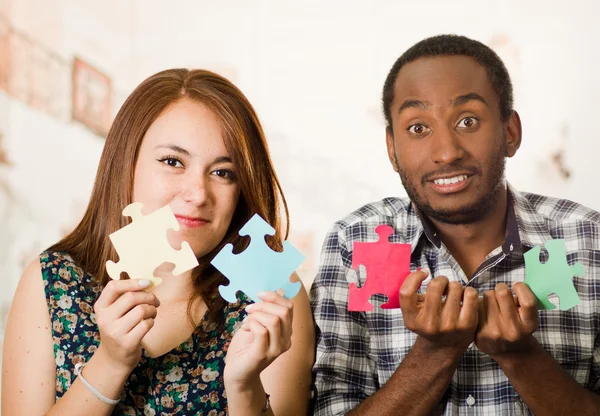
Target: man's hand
pixel 449 324
pixel 506 323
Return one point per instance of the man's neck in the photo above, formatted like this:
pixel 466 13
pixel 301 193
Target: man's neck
pixel 469 244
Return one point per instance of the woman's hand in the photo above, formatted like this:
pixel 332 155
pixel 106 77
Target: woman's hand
pixel 265 334
pixel 125 314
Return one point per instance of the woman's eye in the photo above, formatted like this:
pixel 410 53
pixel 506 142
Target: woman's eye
pixel 224 173
pixel 172 162
pixel 418 129
pixel 468 122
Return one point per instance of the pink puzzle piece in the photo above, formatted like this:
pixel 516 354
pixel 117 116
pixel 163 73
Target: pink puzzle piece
pixel 387 264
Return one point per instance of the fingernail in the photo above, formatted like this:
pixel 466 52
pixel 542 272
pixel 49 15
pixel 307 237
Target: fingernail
pixel 262 294
pixel 144 283
pixel 249 307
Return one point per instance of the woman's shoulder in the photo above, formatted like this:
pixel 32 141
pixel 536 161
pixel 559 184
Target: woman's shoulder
pixel 60 266
pixel 64 278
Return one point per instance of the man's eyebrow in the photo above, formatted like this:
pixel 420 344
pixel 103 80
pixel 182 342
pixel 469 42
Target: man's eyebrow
pixel 472 96
pixel 422 105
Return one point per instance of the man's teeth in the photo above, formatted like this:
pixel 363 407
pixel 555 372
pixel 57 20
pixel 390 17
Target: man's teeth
pixel 450 181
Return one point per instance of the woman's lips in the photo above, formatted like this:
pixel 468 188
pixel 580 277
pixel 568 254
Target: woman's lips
pixel 191 222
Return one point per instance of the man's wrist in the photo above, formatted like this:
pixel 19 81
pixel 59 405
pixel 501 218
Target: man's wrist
pixel 529 348
pixel 444 354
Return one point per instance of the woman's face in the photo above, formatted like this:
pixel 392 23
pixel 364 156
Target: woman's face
pixel 183 163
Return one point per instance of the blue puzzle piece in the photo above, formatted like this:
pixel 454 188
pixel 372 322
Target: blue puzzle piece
pixel 258 268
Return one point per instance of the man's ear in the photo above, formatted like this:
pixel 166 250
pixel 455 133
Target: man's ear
pixel 513 134
pixel 391 148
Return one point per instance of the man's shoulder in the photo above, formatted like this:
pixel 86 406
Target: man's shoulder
pixel 560 218
pixel 559 210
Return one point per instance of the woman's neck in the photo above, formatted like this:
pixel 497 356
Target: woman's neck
pixel 173 289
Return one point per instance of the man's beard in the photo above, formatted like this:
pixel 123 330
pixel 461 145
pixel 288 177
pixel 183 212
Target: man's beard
pixel 467 214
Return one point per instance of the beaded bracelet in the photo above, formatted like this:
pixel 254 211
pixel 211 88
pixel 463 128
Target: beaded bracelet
pixel 100 396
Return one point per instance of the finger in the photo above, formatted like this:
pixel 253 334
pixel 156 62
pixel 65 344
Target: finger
pixel 451 307
pixel 134 317
pixel 490 306
pixel 481 314
pixel 435 290
pixel 278 335
pixel 116 288
pixel 408 291
pixel 528 304
pixel 134 337
pixel 276 298
pixel 469 317
pixel 130 300
pixel 261 334
pixel 283 312
pixel 506 304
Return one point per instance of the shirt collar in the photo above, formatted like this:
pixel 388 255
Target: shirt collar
pixel 532 226
pixel 512 239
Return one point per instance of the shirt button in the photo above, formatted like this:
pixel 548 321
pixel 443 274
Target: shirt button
pixel 470 400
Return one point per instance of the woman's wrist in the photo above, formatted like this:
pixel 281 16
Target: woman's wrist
pixel 116 369
pixel 246 396
pixel 243 385
pixel 106 375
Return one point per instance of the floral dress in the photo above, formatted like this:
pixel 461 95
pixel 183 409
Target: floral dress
pixel 186 381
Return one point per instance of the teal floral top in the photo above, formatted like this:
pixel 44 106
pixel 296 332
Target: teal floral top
pixel 186 381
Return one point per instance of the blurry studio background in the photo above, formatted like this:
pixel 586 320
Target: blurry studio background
pixel 314 72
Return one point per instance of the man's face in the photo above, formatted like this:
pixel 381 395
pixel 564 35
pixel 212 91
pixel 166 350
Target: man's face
pixel 448 142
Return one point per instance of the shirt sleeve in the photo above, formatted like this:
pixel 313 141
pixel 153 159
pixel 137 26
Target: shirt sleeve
pixel 344 373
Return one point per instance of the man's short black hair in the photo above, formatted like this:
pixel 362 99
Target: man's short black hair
pixel 444 45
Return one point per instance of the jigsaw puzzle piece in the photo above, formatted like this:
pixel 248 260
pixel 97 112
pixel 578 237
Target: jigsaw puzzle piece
pixel 182 260
pixel 143 245
pixel 258 268
pixel 285 265
pixel 257 228
pixel 387 265
pixel 554 276
pixel 134 211
pixel 358 298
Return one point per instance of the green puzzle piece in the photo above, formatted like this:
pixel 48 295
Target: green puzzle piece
pixel 554 276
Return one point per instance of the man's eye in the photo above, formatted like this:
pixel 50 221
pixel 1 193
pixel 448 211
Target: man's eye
pixel 418 129
pixel 468 122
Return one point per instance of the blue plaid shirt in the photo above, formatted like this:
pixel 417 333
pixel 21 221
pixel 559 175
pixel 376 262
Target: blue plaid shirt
pixel 357 352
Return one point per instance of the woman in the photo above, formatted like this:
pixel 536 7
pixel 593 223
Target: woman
pixel 190 140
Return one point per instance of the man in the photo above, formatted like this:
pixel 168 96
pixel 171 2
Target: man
pixel 472 340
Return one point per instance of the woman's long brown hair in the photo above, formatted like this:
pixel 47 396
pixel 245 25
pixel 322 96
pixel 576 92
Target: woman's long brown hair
pixel 244 138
